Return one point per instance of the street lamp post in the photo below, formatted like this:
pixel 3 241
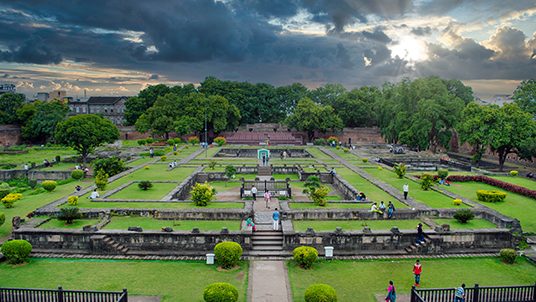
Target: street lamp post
pixel 206 137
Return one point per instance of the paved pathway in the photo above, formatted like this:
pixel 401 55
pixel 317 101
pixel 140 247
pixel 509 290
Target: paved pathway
pixel 268 282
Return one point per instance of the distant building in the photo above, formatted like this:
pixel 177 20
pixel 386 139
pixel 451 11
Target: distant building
pixel 8 88
pixel 110 107
pixel 498 99
pixel 42 96
pixel 57 95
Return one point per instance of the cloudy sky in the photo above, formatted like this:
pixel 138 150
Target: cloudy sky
pixel 119 47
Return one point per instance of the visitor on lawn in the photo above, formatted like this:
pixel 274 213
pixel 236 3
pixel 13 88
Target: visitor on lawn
pixel 417 270
pixel 275 218
pixel 46 163
pixel 405 188
pixel 267 198
pixel 249 222
pixel 362 196
pixel 332 171
pixel 460 294
pixel 374 209
pixel 382 206
pixel 151 152
pixel 94 194
pixel 420 234
pixel 254 192
pixel 391 293
pixel 390 210
pixel 77 188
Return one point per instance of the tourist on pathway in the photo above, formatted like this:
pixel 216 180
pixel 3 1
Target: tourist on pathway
pixel 405 188
pixel 382 207
pixel 460 294
pixel 332 171
pixel 249 222
pixel 391 293
pixel 175 147
pixel 417 270
pixel 254 192
pixel 94 194
pixel 151 152
pixel 267 198
pixel 420 234
pixel 77 188
pixel 390 210
pixel 275 218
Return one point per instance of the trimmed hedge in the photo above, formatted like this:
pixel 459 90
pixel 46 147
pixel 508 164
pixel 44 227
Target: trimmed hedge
pixel 305 256
pixel 16 251
pixel 320 293
pixel 490 195
pixel 494 182
pixel 464 215
pixel 508 256
pixel 77 174
pixel 49 185
pixel 228 253
pixel 220 292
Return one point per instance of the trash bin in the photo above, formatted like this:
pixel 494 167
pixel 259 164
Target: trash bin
pixel 210 258
pixel 328 250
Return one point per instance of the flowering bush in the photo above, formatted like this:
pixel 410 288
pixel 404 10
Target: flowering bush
pixel 305 256
pixel 457 202
pixel 220 140
pixel 494 182
pixel 514 173
pixel 10 199
pixel 202 194
pixel 16 251
pixel 332 139
pixel 193 140
pixel 490 195
pixel 72 200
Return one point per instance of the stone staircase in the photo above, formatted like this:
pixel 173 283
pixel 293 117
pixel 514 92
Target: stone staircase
pixel 264 171
pixel 415 249
pixel 267 243
pixel 114 245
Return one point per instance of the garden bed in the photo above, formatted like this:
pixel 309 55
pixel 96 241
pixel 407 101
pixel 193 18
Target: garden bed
pixel 355 225
pixel 124 222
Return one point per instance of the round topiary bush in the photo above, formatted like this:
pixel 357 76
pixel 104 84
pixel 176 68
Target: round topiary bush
pixel 77 174
pixel 442 173
pixel 220 292
pixel 202 194
pixel 72 200
pixel 320 293
pixel 49 185
pixel 464 215
pixel 228 253
pixel 514 173
pixel 145 185
pixel 220 141
pixel 457 202
pixel 508 255
pixel 365 160
pixel 305 256
pixel 16 251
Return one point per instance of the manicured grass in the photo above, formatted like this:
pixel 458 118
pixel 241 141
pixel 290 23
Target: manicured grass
pixel 139 161
pixel 36 155
pixel 316 153
pixel 361 280
pixel 157 192
pixel 372 192
pixel 330 205
pixel 515 205
pixel 471 224
pixel 171 280
pixel 29 203
pixel 86 203
pixel 123 222
pixel 355 225
pixel 60 167
pixel 431 198
pixel 222 186
pixel 77 224
pixel 285 176
pixel 518 180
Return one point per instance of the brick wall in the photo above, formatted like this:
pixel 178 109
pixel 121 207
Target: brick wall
pixel 9 135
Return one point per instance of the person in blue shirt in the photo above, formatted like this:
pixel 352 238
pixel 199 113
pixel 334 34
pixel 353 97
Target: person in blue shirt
pixel 275 218
pixel 460 294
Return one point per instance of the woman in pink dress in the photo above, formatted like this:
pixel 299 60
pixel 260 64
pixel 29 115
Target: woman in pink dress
pixel 267 198
pixel 391 293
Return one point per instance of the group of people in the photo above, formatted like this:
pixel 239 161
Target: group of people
pixel 173 164
pixel 275 221
pixel 267 196
pixel 382 208
pixel 459 295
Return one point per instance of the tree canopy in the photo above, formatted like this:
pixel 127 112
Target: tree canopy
pixel 9 103
pixel 40 119
pixel 525 96
pixel 310 116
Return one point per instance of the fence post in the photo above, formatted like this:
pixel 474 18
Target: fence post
pixel 60 294
pixel 125 295
pixel 412 299
pixel 476 294
pixel 534 292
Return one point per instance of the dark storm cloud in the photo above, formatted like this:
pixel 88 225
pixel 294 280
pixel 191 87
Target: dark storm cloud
pixel 32 50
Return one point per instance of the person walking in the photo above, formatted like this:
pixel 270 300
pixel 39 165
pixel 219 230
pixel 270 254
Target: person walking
pixel 254 192
pixel 275 218
pixel 417 270
pixel 420 234
pixel 249 222
pixel 390 210
pixel 391 293
pixel 151 152
pixel 267 198
pixel 460 294
pixel 405 189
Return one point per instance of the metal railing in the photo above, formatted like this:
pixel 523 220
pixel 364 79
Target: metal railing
pixel 516 293
pixel 60 295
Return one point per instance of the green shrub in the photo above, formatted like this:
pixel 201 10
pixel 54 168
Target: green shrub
pixel 149 140
pixel 4 189
pixel 2 218
pixel 320 293
pixel 490 195
pixel 101 180
pixel 145 185
pixel 77 174
pixel 69 214
pixel 57 159
pixel 49 185
pixel 212 164
pixel 508 256
pixel 427 181
pixel 230 171
pixel 333 139
pixel 400 170
pixel 228 254
pixel 170 142
pixel 142 142
pixel 464 215
pixel 305 256
pixel 311 183
pixel 318 196
pixel 220 141
pixel 111 166
pixel 177 140
pixel 514 173
pixel 457 202
pixel 202 194
pixel 72 200
pixel 16 251
pixel 365 160
pixel 220 292
pixel 345 150
pixel 194 140
pixel 442 173
pixel 320 142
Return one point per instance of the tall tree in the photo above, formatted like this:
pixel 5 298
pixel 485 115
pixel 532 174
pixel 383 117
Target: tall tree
pixel 525 96
pixel 309 116
pixel 40 119
pixel 327 94
pixel 136 106
pixel 85 132
pixel 9 103
pixel 457 88
pixel 160 117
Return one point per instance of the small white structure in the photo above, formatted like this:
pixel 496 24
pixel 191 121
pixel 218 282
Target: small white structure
pixel 328 251
pixel 210 258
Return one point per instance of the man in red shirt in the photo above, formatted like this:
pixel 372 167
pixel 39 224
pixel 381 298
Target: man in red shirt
pixel 417 270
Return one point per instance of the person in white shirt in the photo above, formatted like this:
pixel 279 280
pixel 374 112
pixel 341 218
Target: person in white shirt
pixel 254 192
pixel 405 188
pixel 94 194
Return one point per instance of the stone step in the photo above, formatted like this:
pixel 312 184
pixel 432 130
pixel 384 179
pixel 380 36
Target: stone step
pixel 267 242
pixel 268 233
pixel 267 248
pixel 270 238
pixel 269 253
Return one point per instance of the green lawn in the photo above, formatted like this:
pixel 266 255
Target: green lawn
pixel 37 155
pixel 172 280
pixel 86 203
pixel 518 180
pixel 330 205
pixel 515 205
pixel 431 198
pixel 293 176
pixel 372 192
pixel 60 167
pixel 361 280
pixel 123 222
pixel 77 224
pixel 222 186
pixel 355 225
pixel 471 224
pixel 157 192
pixel 139 161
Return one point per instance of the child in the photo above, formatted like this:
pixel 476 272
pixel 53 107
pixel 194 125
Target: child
pixel 391 293
pixel 417 270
